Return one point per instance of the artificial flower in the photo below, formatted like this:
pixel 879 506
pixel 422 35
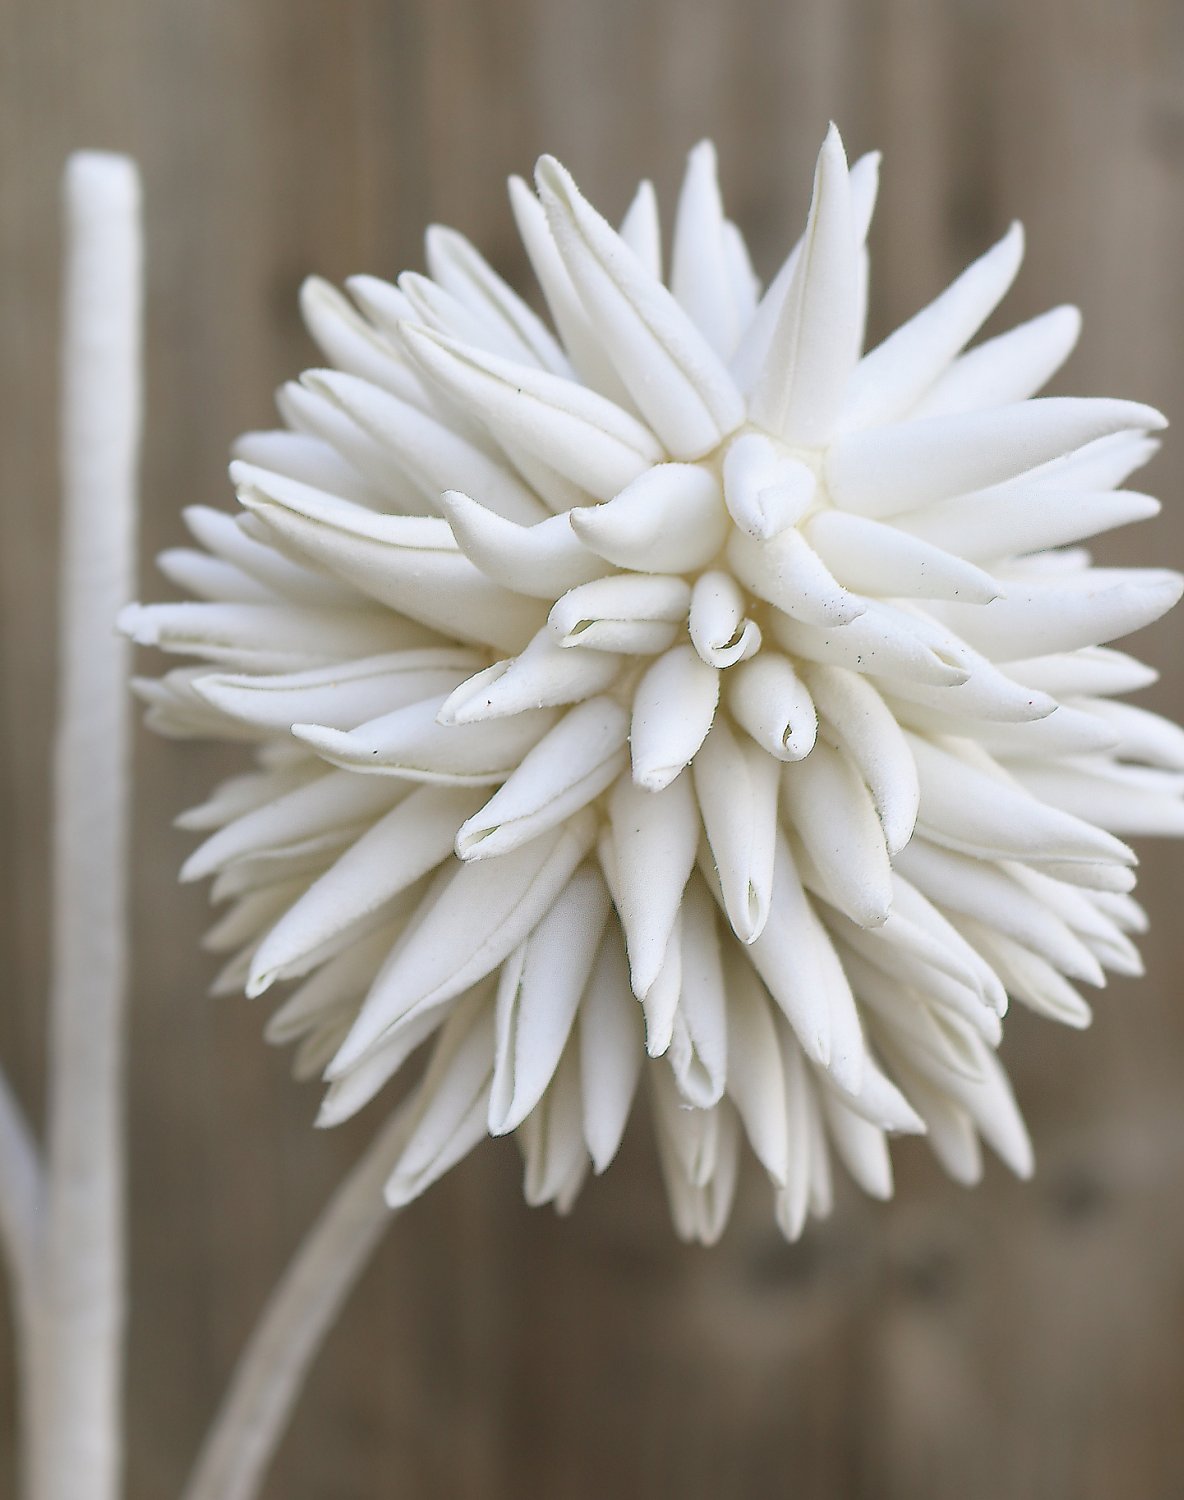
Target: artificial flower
pixel 671 696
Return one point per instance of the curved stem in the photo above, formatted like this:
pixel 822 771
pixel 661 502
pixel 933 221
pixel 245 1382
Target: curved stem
pixel 77 1358
pixel 298 1314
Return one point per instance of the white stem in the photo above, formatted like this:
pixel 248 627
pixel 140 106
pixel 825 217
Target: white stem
pixel 78 1354
pixel 299 1313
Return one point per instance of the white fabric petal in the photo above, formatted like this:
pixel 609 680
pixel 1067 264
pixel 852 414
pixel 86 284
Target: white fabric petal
pixel 799 392
pixel 466 926
pixel 1009 519
pixel 541 560
pixel 756 1078
pixel 610 1051
pixel 903 467
pixel 786 571
pixel 410 563
pixel 670 369
pixel 543 675
pixel 832 811
pixel 641 229
pixel 699 1045
pixel 1011 367
pixel 673 707
pixel 412 743
pixel 581 435
pixel 866 730
pixel 404 845
pixel 700 269
pixel 570 765
pixel 654 839
pixel 538 992
pixel 669 520
pixel 598 616
pixel 720 629
pixel 769 699
pixel 870 557
pixel 891 379
pixel 736 784
pixel 431 454
pixel 765 489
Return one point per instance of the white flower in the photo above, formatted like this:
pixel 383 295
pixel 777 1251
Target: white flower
pixel 680 656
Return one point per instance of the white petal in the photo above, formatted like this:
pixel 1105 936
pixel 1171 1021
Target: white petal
pixel 541 676
pixel 677 380
pixel 458 266
pixel 1010 519
pixel 800 389
pixel 669 520
pixel 353 345
pixel 538 992
pixel 736 785
pixel 410 563
pixel 765 490
pixel 885 640
pixel 552 1143
pixel 591 616
pixel 1038 618
pixel 447 1113
pixel 641 230
pixel 583 347
pixel 870 557
pixel 833 813
pixel 467 925
pixel 570 765
pixel 398 850
pixel 756 1079
pixel 699 1047
pixel 226 537
pixel 611 1050
pixel 329 801
pixel 433 456
pixel 720 630
pixel 768 698
pixel 313 460
pixel 210 578
pixel 1090 670
pixel 654 839
pixel 700 272
pixel 889 380
pixel 341 696
pixel 866 730
pixel 1132 800
pixel 1012 367
pixel 268 637
pixel 578 433
pixel 787 572
pixel 860 1145
pixel 911 464
pixel 541 560
pixel 412 743
pixel 673 707
pixel 970 812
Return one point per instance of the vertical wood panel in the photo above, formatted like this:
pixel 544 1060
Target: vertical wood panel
pixel 1019 1341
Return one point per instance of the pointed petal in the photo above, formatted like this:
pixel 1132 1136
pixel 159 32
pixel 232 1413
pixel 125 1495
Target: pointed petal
pixel 541 560
pixel 544 675
pixel 889 380
pixel 911 464
pixel 1011 367
pixel 539 990
pixel 580 434
pixel 736 785
pixel 464 929
pixel 677 380
pixel 611 1051
pixel 870 557
pixel 720 629
pixel 673 707
pixel 767 697
pixel 654 839
pixel 669 520
pixel 570 765
pixel 786 571
pixel 799 392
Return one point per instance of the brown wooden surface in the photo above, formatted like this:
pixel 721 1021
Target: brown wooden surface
pixel 1020 1341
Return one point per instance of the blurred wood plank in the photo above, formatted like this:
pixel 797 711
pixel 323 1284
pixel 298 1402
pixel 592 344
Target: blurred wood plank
pixel 1020 1341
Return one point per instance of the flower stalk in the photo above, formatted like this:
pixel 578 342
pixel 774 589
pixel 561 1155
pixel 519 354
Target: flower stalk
pixel 77 1357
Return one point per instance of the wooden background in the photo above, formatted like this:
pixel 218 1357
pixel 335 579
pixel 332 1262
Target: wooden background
pixel 1020 1341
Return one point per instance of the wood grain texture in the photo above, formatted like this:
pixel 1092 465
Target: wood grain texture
pixel 1020 1341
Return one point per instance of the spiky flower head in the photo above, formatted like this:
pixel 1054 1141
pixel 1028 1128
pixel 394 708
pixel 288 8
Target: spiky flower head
pixel 674 694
